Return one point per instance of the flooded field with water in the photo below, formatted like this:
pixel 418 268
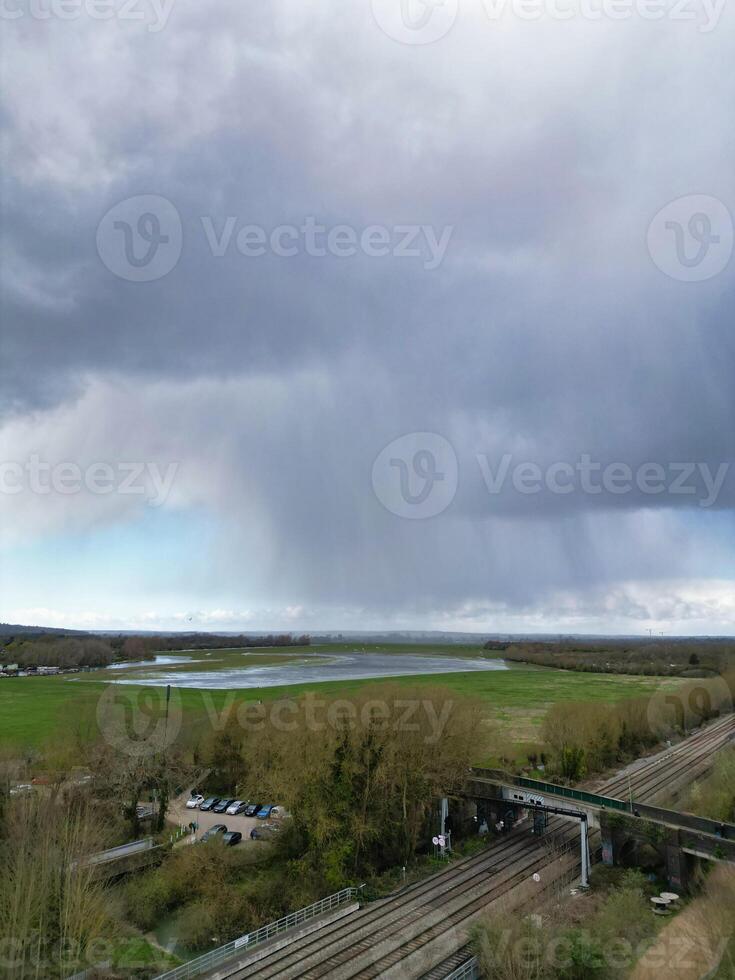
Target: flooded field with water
pixel 310 668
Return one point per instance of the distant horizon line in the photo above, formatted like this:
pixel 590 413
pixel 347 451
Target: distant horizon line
pixel 348 633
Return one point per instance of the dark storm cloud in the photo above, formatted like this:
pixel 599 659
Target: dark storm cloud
pixel 546 331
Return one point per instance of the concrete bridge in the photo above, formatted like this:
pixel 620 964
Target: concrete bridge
pixel 631 832
pixel 641 842
pixel 126 858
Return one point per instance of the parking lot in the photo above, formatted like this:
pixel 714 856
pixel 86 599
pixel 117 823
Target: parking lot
pixel 179 814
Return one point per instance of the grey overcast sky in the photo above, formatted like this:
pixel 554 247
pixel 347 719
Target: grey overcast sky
pixel 353 315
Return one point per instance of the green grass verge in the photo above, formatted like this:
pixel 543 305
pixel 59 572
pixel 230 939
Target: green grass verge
pixel 35 710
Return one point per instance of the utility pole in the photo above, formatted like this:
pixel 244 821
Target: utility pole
pixel 443 817
pixel 585 854
pixel 165 722
pixel 580 815
pixel 158 791
pixel 630 792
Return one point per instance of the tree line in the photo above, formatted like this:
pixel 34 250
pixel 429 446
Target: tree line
pixel 64 652
pixel 361 781
pixel 585 738
pixel 100 650
pixel 212 641
pixel 696 657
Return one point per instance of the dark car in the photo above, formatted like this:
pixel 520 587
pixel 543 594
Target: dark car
pixel 252 809
pixel 221 806
pixel 210 803
pixel 215 831
pixel 267 832
pixel 231 838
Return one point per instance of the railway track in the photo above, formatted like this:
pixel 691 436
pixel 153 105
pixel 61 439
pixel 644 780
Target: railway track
pixel 654 776
pixel 405 935
pixel 693 757
pixel 398 915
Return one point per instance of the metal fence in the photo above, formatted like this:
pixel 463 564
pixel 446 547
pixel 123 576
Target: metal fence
pixel 581 795
pixel 209 961
pixel 121 851
pixel 92 971
pixel 469 970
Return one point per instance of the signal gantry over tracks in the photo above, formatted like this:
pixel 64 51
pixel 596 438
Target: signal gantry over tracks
pixel 412 933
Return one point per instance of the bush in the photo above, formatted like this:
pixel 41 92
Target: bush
pixel 197 924
pixel 511 946
pixel 589 737
pixel 148 897
pixel 579 955
pixel 714 796
pixel 625 913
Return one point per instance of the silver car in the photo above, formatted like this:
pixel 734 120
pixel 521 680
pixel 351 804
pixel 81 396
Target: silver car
pixel 237 806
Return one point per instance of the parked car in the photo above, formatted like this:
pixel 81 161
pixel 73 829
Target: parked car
pixel 231 838
pixel 221 806
pixel 237 806
pixel 252 808
pixel 267 832
pixel 22 789
pixel 194 801
pixel 264 812
pixel 210 803
pixel 214 831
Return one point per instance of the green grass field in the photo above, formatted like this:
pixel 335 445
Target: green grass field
pixel 34 710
